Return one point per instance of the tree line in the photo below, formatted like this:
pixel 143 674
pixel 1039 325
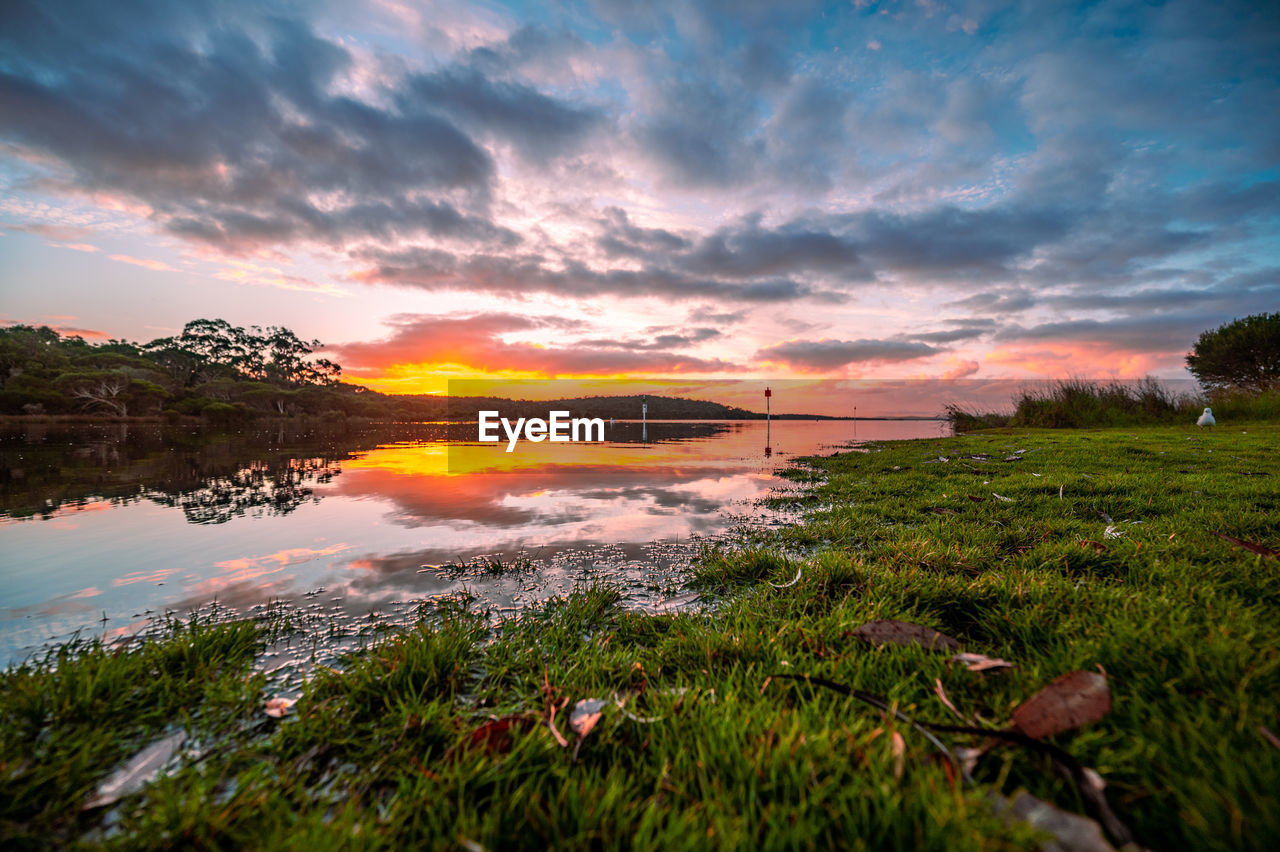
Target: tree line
pixel 212 369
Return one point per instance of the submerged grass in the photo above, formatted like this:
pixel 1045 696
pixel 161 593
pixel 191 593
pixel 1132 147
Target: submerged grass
pixel 440 737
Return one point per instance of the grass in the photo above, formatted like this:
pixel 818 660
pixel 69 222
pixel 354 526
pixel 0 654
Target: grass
pixel 1081 403
pixel 439 738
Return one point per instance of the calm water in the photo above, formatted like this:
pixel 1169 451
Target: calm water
pixel 102 527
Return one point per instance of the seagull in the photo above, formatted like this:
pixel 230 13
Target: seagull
pixel 1206 419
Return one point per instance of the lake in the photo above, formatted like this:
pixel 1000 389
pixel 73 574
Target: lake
pixel 105 526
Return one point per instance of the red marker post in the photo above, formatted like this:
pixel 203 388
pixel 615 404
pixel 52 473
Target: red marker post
pixel 768 424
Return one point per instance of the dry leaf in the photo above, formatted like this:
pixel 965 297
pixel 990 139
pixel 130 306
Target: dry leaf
pixel 1096 545
pixel 278 707
pixel 891 632
pixel 899 746
pixel 1001 497
pixel 586 713
pixel 1072 700
pixel 494 736
pixel 1252 547
pixel 977 499
pixel 134 775
pixel 946 702
pixel 981 662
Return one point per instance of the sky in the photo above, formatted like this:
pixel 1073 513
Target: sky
pixel 741 190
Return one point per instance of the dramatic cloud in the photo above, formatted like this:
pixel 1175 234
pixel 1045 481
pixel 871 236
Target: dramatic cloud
pixel 820 355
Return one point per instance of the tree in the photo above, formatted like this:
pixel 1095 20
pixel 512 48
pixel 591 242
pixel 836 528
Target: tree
pixel 1241 355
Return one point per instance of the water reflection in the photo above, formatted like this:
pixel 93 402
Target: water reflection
pixel 123 521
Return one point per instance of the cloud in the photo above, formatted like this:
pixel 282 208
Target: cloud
pixel 514 275
pixel 827 354
pixel 1163 333
pixel 477 342
pixel 145 263
pixel 243 141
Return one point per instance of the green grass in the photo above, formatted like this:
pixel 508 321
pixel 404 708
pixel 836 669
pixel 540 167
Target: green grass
pixel 1081 403
pixel 395 751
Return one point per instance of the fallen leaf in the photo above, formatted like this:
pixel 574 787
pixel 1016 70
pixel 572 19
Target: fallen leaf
pixel 1112 532
pixel 899 746
pixel 941 510
pixel 586 713
pixel 1072 700
pixel 494 736
pixel 1096 545
pixel 278 707
pixel 891 632
pixel 1071 832
pixel 1252 547
pixel 134 775
pixel 981 662
pixel 977 499
pixel 1002 497
pixel 946 702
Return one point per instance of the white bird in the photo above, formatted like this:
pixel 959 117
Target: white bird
pixel 1206 419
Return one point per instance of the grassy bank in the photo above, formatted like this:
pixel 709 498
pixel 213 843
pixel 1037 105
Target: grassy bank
pixel 1083 404
pixel 1055 551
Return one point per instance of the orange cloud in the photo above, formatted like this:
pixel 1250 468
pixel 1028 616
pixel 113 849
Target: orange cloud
pixel 157 265
pixel 88 333
pixel 423 351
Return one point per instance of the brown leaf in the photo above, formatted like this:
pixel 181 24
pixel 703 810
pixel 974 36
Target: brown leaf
pixel 494 736
pixel 891 632
pixel 981 662
pixel 977 499
pixel 942 510
pixel 1096 545
pixel 277 707
pixel 1072 700
pixel 1252 547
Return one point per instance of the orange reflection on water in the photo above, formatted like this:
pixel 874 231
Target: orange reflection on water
pixel 255 567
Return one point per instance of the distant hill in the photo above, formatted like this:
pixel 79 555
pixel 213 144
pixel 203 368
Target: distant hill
pixel 616 407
